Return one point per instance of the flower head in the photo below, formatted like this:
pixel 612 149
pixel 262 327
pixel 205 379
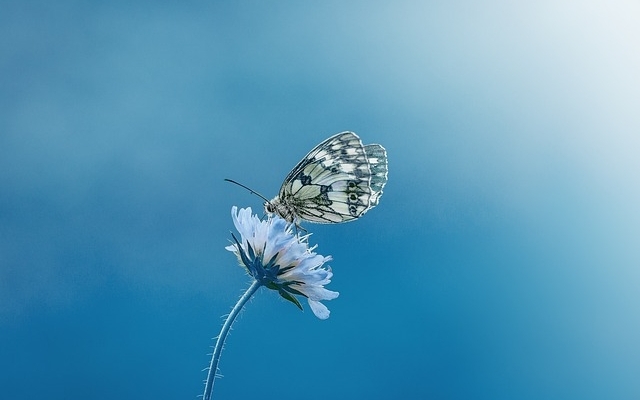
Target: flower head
pixel 282 261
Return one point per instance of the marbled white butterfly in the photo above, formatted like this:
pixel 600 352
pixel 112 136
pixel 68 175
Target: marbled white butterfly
pixel 338 181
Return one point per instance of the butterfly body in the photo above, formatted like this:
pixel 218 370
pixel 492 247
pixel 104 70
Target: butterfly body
pixel 338 181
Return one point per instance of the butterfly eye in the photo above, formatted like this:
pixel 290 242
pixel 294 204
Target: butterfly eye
pixel 269 207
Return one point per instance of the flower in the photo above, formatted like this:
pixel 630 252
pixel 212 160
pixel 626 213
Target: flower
pixel 279 260
pixel 282 261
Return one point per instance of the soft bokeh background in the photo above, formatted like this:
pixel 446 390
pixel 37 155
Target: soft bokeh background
pixel 503 261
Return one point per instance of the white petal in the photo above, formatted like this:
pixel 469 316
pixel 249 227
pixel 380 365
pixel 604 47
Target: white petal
pixel 320 310
pixel 317 293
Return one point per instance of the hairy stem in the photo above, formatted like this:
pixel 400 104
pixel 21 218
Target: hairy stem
pixel 215 358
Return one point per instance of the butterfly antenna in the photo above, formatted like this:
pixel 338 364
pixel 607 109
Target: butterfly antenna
pixel 249 189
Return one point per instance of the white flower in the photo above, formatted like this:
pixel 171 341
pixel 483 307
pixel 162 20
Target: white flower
pixel 282 261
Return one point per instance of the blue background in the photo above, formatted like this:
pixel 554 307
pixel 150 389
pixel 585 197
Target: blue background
pixel 503 261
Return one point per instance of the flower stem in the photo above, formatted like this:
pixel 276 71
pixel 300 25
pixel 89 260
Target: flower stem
pixel 215 358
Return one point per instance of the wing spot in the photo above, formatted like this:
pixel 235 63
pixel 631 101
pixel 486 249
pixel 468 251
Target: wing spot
pixel 305 179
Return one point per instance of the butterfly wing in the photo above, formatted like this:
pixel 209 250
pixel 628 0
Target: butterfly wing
pixel 377 158
pixel 333 182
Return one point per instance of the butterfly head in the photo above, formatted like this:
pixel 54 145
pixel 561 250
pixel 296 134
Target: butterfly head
pixel 269 207
pixel 275 206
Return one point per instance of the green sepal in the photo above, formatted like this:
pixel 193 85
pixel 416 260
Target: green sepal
pixel 283 291
pixel 289 297
pixel 291 290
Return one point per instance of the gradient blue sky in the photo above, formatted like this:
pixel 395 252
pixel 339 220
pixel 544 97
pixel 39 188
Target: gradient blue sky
pixel 503 261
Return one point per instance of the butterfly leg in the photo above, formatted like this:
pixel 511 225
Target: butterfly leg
pixel 299 229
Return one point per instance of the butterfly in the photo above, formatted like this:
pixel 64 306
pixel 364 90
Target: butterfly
pixel 338 181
